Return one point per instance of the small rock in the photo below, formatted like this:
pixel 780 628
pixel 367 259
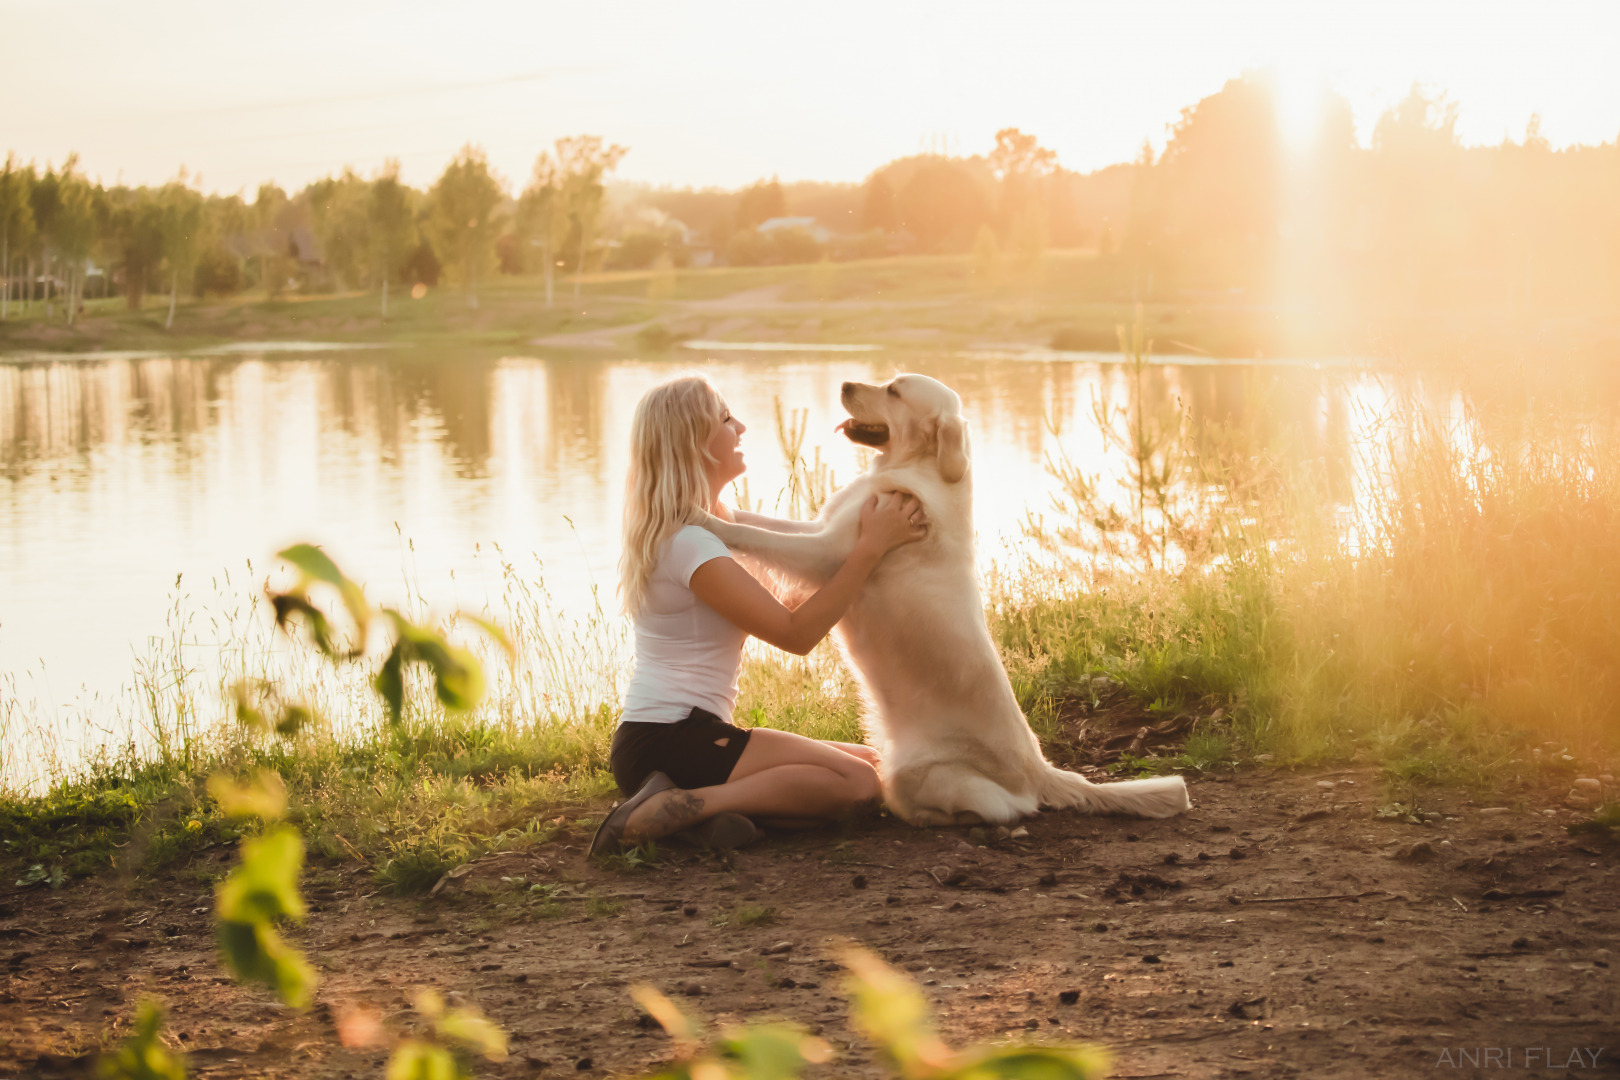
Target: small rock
pixel 1048 878
pixel 1225 963
pixel 1520 943
pixel 1032 1023
pixel 858 881
pixel 1171 858
pixel 1495 811
pixel 584 1064
pixel 1236 853
pixel 956 877
pixel 1314 815
pixel 1002 832
pixel 891 900
pixel 1019 833
pixel 1101 928
pixel 689 910
pixel 1152 958
pixel 1326 785
pixel 1422 851
pixel 1068 997
pixel 787 984
pixel 778 949
pixel 957 906
pixel 1265 757
pixel 1131 838
pixel 1589 784
pixel 691 989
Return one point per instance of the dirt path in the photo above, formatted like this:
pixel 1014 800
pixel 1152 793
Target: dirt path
pixel 1191 947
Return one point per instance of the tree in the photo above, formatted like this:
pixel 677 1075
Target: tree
pixel 877 209
pixel 75 231
pixel 461 220
pixel 585 163
pixel 542 216
pixel 390 223
pixel 180 218
pixel 942 205
pixel 341 209
pixel 44 198
pixel 132 238
pixel 760 203
pixel 16 221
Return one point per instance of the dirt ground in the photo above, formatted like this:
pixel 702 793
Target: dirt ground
pixel 1278 929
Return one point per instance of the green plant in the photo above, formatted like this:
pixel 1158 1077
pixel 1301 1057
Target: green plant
pixel 888 1009
pixel 143 1055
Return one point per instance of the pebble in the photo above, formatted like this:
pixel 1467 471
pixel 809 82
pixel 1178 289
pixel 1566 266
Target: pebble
pixel 1019 833
pixel 778 949
pixel 1047 878
pixel 689 910
pixel 692 989
pixel 1495 811
pixel 1418 852
pixel 583 1064
pixel 1590 784
pixel 1326 785
pixel 1068 997
pixel 858 881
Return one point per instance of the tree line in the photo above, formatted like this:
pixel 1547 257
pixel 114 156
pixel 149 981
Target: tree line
pixel 1233 209
pixel 59 230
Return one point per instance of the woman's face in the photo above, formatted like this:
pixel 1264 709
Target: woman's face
pixel 726 455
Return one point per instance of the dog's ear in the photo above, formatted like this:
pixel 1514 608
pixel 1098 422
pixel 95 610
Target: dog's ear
pixel 953 448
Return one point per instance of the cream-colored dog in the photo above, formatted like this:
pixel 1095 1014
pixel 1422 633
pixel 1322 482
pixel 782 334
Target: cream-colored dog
pixel 955 746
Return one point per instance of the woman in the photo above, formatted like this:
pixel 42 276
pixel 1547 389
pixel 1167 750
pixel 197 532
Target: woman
pixel 676 754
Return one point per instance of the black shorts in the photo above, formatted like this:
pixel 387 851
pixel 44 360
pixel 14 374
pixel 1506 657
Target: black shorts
pixel 686 751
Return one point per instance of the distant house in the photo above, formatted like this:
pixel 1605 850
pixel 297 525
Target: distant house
pixel 820 233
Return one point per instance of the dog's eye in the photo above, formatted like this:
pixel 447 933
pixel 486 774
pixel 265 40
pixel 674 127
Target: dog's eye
pixel 893 392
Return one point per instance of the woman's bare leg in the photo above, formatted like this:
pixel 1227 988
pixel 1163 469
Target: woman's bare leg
pixel 780 775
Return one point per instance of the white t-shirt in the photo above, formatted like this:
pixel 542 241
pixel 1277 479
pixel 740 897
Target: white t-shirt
pixel 687 654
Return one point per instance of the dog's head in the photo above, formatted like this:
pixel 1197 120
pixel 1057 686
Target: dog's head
pixel 909 417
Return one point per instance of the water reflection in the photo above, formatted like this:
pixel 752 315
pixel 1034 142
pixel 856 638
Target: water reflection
pixel 116 476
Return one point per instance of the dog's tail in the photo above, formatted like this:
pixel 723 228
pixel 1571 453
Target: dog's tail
pixel 1154 797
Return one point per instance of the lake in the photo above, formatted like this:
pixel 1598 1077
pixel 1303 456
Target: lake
pixel 142 497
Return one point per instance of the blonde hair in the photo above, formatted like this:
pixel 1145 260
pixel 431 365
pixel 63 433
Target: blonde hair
pixel 669 438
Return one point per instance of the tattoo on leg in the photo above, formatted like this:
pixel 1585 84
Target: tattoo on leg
pixel 670 815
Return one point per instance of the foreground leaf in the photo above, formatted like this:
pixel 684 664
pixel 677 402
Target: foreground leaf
pixel 143 1056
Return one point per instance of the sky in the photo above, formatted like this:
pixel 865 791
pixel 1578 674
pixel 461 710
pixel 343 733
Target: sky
pixel 722 94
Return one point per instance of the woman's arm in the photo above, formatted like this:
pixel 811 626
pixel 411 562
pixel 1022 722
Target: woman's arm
pixel 725 586
pixel 781 525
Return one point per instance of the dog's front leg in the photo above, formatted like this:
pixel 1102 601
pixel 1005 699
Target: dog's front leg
pixel 812 556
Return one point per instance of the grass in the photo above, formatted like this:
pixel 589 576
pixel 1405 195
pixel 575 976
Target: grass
pixel 1069 300
pixel 745 915
pixel 1452 623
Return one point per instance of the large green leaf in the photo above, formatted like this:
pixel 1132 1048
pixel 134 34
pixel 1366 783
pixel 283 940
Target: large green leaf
pixel 254 952
pixel 466 1029
pixel 772 1051
pixel 1029 1063
pixel 315 565
pixel 264 887
pixel 417 1060
pixel 888 1009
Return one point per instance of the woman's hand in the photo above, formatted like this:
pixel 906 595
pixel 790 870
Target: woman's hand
pixel 891 520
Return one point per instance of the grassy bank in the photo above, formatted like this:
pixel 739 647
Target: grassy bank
pixel 1066 300
pixel 1451 621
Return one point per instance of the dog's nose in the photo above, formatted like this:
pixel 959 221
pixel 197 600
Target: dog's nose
pixel 849 388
